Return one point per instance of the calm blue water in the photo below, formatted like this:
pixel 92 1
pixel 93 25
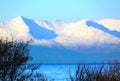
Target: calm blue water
pixel 60 72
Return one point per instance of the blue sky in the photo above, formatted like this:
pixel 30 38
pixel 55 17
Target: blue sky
pixel 68 10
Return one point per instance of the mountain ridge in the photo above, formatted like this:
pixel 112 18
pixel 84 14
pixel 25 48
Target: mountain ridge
pixel 66 42
pixel 67 34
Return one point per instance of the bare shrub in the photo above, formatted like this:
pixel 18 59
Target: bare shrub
pixel 13 58
pixel 109 72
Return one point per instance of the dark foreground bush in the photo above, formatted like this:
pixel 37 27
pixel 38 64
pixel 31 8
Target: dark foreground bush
pixel 110 72
pixel 13 57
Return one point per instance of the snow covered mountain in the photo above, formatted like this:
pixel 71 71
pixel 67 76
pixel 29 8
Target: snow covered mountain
pixel 90 35
pixel 82 33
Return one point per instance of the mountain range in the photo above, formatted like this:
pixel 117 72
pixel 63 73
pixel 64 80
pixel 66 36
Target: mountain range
pixel 66 42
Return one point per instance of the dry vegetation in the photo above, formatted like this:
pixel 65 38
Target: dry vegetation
pixel 14 55
pixel 110 72
pixel 13 58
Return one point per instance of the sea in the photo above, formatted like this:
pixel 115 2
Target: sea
pixel 60 72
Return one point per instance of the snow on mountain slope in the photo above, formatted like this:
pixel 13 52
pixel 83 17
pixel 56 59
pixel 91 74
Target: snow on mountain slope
pixel 103 28
pixel 15 27
pixel 22 28
pixel 70 35
pixel 54 25
pixel 79 33
pixel 112 24
pixel 37 31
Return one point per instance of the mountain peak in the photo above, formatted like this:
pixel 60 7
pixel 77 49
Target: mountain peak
pixel 20 17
